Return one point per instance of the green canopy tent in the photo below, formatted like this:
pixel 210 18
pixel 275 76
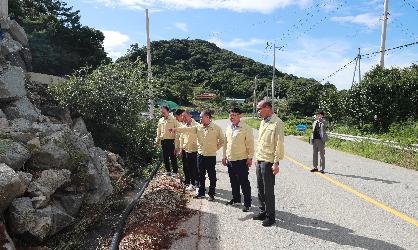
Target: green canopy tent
pixel 170 104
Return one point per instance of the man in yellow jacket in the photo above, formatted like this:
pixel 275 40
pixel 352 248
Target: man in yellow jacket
pixel 209 140
pixel 167 140
pixel 188 147
pixel 238 155
pixel 270 151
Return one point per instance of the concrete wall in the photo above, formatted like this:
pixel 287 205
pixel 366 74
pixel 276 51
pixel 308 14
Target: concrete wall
pixel 44 79
pixel 4 9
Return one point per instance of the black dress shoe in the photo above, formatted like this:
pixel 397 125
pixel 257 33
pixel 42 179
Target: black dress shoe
pixel 314 170
pixel 260 216
pixel 231 202
pixel 211 198
pixel 246 209
pixel 268 222
pixel 322 171
pixel 199 196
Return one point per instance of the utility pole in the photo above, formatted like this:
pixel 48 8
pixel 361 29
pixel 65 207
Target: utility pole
pixel 150 101
pixel 4 9
pixel 383 37
pixel 255 96
pixel 359 72
pixel 274 75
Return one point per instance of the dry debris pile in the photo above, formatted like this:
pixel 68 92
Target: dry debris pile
pixel 152 222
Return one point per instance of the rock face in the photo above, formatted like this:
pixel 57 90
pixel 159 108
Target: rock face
pixel 12 84
pixel 37 224
pixel 49 166
pixel 11 186
pixel 13 154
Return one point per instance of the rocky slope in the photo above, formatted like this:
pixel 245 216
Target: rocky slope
pixel 49 166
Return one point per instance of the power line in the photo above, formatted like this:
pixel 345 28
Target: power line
pixel 314 25
pixel 410 5
pixel 338 70
pixel 367 56
pixel 394 48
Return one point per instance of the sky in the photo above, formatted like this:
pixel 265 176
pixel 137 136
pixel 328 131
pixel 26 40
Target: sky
pixel 315 38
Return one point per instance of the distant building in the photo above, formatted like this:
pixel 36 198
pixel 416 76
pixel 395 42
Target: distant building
pixel 235 100
pixel 205 96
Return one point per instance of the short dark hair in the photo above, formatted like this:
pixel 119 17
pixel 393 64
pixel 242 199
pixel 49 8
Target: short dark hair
pixel 268 104
pixel 165 107
pixel 178 111
pixel 207 113
pixel 320 112
pixel 235 110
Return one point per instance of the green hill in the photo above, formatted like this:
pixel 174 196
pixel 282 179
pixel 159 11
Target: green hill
pixel 185 66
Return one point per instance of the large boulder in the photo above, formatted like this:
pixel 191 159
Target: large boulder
pixel 22 108
pixel 16 59
pixel 97 182
pixel 52 153
pixel 42 188
pixel 24 220
pixel 36 224
pixel 17 32
pixel 13 154
pixel 61 149
pixel 8 45
pixel 12 84
pixel 69 202
pixel 11 186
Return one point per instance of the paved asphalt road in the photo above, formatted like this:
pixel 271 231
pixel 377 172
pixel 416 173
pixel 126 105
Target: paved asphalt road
pixel 358 204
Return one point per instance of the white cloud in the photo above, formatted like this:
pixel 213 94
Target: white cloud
pixel 181 26
pixel 263 6
pixel 115 43
pixel 370 20
pixel 237 43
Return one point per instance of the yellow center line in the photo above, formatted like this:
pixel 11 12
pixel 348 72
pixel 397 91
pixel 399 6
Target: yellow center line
pixel 357 193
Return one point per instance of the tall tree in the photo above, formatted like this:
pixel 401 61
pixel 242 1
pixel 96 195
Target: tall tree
pixel 58 42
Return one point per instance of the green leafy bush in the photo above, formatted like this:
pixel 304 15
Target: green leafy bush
pixel 111 100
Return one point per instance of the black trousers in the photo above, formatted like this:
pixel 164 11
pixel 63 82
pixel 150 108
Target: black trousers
pixel 190 167
pixel 238 176
pixel 206 163
pixel 169 155
pixel 265 184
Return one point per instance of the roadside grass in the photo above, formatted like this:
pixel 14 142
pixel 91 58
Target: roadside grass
pixel 379 152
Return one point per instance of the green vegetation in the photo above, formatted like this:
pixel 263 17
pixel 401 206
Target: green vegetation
pixel 58 42
pixel 111 99
pixel 4 145
pixel 380 152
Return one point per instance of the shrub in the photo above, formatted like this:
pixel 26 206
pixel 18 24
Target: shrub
pixel 111 100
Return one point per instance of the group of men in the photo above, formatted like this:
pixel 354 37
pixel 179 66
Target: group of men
pixel 198 143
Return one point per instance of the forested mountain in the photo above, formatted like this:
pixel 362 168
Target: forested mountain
pixel 184 64
pixel 58 42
